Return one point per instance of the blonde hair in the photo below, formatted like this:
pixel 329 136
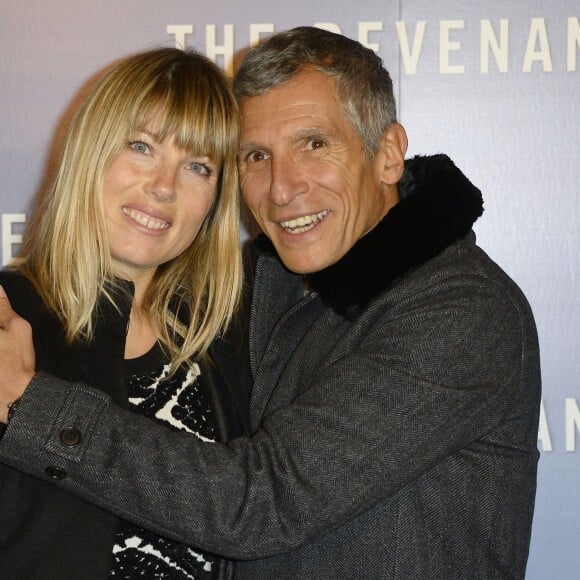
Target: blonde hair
pixel 67 254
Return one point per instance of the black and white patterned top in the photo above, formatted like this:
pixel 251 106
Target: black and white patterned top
pixel 181 404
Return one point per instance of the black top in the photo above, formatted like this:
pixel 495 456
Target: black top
pixel 180 403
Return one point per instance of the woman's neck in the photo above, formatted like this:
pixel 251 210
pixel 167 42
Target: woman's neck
pixel 140 335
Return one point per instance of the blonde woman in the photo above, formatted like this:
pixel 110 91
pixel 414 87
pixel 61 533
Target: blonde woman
pixel 132 269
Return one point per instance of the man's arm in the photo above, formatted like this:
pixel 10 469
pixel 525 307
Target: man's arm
pixel 368 424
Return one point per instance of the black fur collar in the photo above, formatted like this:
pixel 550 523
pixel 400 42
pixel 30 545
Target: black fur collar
pixel 438 206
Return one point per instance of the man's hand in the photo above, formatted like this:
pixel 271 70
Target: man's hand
pixel 16 355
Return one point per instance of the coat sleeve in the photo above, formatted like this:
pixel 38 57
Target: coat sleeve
pixel 432 379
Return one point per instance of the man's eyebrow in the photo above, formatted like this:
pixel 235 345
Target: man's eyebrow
pixel 313 132
pixel 243 147
pixel 299 134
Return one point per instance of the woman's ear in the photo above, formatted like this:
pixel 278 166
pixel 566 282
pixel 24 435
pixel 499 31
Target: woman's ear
pixel 393 148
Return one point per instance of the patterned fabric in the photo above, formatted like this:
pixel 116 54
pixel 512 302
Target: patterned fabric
pixel 181 404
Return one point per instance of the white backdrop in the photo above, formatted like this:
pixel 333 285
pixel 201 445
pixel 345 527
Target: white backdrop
pixel 493 84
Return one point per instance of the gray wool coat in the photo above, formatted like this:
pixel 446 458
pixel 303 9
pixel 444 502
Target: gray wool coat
pixel 394 416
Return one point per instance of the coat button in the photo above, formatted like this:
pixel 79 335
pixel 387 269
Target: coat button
pixel 55 472
pixel 70 437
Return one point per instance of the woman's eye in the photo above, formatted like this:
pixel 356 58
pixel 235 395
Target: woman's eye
pixel 200 168
pixel 139 146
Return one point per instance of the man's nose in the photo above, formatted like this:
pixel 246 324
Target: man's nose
pixel 287 181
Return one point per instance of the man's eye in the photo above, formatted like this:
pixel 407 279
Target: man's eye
pixel 139 146
pixel 315 144
pixel 255 157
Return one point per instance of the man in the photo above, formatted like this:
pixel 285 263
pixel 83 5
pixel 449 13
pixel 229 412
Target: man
pixel 395 366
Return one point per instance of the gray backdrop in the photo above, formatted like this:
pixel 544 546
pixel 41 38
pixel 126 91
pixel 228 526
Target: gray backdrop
pixel 493 84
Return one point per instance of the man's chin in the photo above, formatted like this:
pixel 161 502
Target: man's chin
pixel 304 254
pixel 302 263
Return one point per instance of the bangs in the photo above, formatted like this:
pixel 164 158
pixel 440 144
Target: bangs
pixel 195 113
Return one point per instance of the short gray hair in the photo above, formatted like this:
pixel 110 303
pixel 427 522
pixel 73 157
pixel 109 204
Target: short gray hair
pixel 364 85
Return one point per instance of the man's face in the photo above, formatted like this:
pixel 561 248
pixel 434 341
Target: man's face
pixel 305 176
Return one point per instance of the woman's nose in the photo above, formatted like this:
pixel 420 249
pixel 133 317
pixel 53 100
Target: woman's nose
pixel 162 184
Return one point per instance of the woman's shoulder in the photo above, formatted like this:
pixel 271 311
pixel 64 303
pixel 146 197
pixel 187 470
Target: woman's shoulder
pixel 14 278
pixel 21 292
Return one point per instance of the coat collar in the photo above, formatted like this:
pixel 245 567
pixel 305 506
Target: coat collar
pixel 438 206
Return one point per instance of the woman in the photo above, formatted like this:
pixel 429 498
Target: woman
pixel 132 268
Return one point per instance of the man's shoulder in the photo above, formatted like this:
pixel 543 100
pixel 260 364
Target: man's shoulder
pixel 476 263
pixel 469 273
pixel 465 258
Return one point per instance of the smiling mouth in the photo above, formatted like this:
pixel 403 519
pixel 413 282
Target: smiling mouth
pixel 145 220
pixel 303 223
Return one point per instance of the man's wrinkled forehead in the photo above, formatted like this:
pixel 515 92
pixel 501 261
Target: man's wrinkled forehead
pixel 304 100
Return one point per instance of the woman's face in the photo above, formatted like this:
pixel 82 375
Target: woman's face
pixel 156 197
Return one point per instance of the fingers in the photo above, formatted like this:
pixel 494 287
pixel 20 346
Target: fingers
pixel 6 312
pixel 17 360
pixel 16 336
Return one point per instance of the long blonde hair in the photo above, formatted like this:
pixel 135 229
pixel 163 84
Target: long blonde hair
pixel 67 254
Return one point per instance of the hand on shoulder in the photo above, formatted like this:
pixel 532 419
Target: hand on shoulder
pixel 17 357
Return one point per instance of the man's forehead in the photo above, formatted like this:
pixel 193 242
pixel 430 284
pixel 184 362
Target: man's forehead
pixel 299 105
pixel 295 117
pixel 306 87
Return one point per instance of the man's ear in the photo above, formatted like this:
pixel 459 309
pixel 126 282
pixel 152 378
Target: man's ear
pixel 393 148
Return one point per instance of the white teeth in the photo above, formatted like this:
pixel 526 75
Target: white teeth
pixel 303 223
pixel 143 219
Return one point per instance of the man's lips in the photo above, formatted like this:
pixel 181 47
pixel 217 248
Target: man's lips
pixel 145 219
pixel 303 223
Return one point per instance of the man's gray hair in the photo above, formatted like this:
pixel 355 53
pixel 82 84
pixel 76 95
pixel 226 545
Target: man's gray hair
pixel 364 86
